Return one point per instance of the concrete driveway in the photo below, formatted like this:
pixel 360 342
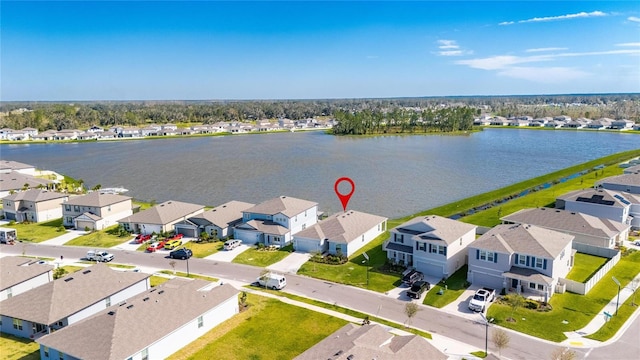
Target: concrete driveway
pixel 460 306
pixel 291 263
pixel 228 255
pixel 68 236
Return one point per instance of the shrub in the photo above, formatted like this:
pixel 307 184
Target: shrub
pixel 531 304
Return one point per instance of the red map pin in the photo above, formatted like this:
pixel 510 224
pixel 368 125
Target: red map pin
pixel 344 198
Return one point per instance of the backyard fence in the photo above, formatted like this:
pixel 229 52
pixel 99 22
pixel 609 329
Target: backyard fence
pixel 584 288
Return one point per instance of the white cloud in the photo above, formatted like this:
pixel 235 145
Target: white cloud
pixel 559 17
pixel 634 18
pixel 450 48
pixel 545 49
pixel 543 74
pixel 450 53
pixel 629 44
pixel 448 44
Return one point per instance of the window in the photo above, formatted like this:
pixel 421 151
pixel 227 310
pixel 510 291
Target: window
pixel 200 322
pixel 108 301
pixel 9 293
pixel 532 285
pixel 522 260
pixel 433 248
pixel 17 324
pixel 67 208
pixel 423 247
pixel 145 354
pixel 487 256
pixel 540 287
pixel 276 239
pixel 442 250
pixel 46 351
pixel 539 263
pixel 76 208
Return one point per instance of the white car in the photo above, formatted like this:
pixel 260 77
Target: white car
pixel 232 244
pixel 636 243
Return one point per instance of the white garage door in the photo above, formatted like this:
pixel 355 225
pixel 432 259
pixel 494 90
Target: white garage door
pixel 487 280
pixel 429 269
pixel 306 245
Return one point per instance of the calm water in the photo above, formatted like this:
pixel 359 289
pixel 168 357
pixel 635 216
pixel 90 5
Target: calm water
pixel 394 175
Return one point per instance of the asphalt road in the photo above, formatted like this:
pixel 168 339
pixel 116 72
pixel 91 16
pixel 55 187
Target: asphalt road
pixel 376 304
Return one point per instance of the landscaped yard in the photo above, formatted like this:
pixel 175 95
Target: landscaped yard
pixel 456 284
pixel 38 232
pixel 204 249
pixel 584 266
pixel 262 258
pixel 14 347
pixel 102 239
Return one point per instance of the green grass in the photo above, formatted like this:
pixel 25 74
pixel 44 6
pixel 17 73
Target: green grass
pixel 37 232
pixel 585 266
pixel 577 310
pixel 456 284
pixel 190 276
pixel 262 258
pixel 100 239
pixel 14 347
pixel 201 250
pixel 156 280
pixel 113 265
pixel 249 340
pixel 480 354
pixel 612 326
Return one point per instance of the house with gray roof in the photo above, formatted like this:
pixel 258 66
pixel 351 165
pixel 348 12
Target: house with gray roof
pixel 523 258
pixel 274 221
pixel 19 274
pixel 625 183
pixel 635 169
pixel 7 166
pixel 585 228
pixel 218 222
pixel 67 300
pixel 95 210
pixel 353 342
pixel 152 325
pixel 15 181
pixel 160 218
pixel 341 234
pixel 600 203
pixel 433 245
pixel 34 205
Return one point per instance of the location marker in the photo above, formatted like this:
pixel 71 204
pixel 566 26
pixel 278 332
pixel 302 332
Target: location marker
pixel 344 198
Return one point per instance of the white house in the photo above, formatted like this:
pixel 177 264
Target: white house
pixel 160 218
pixel 343 233
pixel 626 183
pixel 218 221
pixel 95 210
pixel 18 275
pixel 600 203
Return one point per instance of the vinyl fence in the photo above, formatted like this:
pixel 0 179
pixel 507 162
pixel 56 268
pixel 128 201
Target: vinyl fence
pixel 584 288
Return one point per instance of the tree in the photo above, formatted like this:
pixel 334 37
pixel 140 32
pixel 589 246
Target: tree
pixel 58 273
pixel 97 187
pixel 500 339
pixel 563 354
pixel 172 263
pixel 243 299
pixel 514 301
pixel 411 309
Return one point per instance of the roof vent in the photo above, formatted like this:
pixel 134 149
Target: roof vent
pixel 86 271
pixel 152 290
pixel 130 306
pixel 160 292
pixel 111 313
pixel 68 279
pixel 338 353
pixel 146 299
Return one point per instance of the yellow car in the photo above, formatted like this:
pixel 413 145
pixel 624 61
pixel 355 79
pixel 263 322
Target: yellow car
pixel 172 244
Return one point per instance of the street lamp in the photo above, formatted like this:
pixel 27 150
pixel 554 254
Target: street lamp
pixel 618 300
pixel 486 333
pixel 366 257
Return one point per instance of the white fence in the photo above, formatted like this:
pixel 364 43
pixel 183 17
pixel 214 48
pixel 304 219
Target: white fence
pixel 584 288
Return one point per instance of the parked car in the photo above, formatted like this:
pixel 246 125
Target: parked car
pixel 637 243
pixel 176 237
pixel 231 244
pixel 272 281
pixel 172 244
pixel 418 288
pixel 141 238
pixel 481 299
pixel 155 246
pixel 99 255
pixel 182 253
pixel 412 276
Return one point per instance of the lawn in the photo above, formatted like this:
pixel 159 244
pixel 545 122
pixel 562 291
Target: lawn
pixel 156 280
pixel 584 266
pixel 244 336
pixel 456 284
pixel 190 276
pixel 38 232
pixel 100 239
pixel 570 311
pixel 204 249
pixel 612 326
pixel 14 347
pixel 262 258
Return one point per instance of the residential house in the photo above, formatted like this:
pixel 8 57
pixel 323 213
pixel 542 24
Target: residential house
pixel 274 221
pixel 600 203
pixel 151 325
pixel 95 210
pixel 34 205
pixel 519 122
pixel 95 129
pixel 600 124
pixel 129 132
pixel 523 258
pixel 622 124
pixel 88 136
pixel 107 135
pixel 14 181
pixel 632 170
pixel 150 131
pixel 556 124
pixel 15 135
pixel 433 245
pixel 563 118
pixel 585 228
pixel 65 301
pixel 45 136
pixel 169 126
pixel 7 166
pixel 160 218
pixel 340 234
pixel 218 221
pixel 30 132
pixel 19 274
pixel 372 341
pixel 499 121
pixel 625 183
pixel 579 123
pixel 67 134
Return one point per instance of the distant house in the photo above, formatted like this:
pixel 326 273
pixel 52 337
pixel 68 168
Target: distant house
pixel 34 205
pixel 160 218
pixel 15 181
pixel 526 259
pixel 632 170
pixel 599 124
pixel 95 129
pixel 626 183
pixel 556 124
pixel 65 301
pixel 586 229
pixel 433 245
pixel 151 325
pixel 30 132
pixel 67 134
pixel 19 274
pixel 129 132
pixel 218 221
pixel 622 124
pixel 343 233
pixel 353 342
pixel 499 121
pixel 274 221
pixel 95 210
pixel 600 203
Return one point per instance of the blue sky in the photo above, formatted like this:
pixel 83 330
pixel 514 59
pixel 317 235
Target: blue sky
pixel 304 50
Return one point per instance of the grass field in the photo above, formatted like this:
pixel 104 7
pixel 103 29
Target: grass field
pixel 202 250
pixel 584 266
pixel 262 258
pixel 190 276
pixel 100 239
pixel 155 280
pixel 38 232
pixel 13 347
pixel 456 284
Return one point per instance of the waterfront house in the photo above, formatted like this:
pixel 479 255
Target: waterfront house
pixel 632 170
pixel 67 134
pixel 152 325
pixel 95 210
pixel 600 203
pixel 95 129
pixel 45 136
pixel 564 118
pixel 30 132
pixel 599 124
pixel 625 183
pixel 526 259
pixel 14 181
pixel 129 132
pixel 499 121
pixel 273 222
pixel 107 135
pixel 7 166
pixel 341 234
pixel 556 124
pixel 169 126
pixel 218 221
pixel 65 301
pixel 371 341
pixel 586 229
pixel 88 136
pixel 19 275
pixel 34 205
pixel 160 218
pixel 433 245
pixel 622 124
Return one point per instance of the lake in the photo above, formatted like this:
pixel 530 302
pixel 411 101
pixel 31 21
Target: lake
pixel 394 175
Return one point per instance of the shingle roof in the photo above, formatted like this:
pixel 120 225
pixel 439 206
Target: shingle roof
pixel 343 227
pixel 14 181
pixel 266 226
pixel 163 213
pixel 35 195
pixel 58 299
pixel 15 270
pixel 371 342
pixel 97 199
pixel 523 239
pixel 625 179
pixel 595 196
pixel 14 165
pixel 222 215
pixel 119 332
pixel 286 205
pixel 434 227
pixel 568 221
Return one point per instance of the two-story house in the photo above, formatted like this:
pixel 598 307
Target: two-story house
pixel 600 203
pixel 218 221
pixel 626 183
pixel 520 258
pixel 160 218
pixel 95 210
pixel 19 274
pixel 433 245
pixel 14 181
pixel 34 205
pixel 274 221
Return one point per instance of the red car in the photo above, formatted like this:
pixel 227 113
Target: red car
pixel 176 237
pixel 142 238
pixel 155 246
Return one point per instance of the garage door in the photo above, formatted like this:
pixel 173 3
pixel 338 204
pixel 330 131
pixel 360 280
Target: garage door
pixel 483 279
pixel 429 269
pixel 306 245
pixel 188 232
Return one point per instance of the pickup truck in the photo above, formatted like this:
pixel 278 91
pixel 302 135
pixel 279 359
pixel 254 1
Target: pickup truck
pixel 481 299
pixel 99 255
pixel 417 289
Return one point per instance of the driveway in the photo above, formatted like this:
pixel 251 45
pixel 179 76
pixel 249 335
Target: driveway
pixel 62 239
pixel 460 306
pixel 228 255
pixel 291 263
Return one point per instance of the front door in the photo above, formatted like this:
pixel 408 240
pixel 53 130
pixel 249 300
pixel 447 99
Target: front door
pixel 514 283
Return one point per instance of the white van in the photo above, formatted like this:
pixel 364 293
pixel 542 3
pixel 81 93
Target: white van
pixel 99 255
pixel 231 244
pixel 273 281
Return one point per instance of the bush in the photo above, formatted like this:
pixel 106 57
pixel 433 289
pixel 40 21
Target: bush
pixel 329 259
pixel 531 304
